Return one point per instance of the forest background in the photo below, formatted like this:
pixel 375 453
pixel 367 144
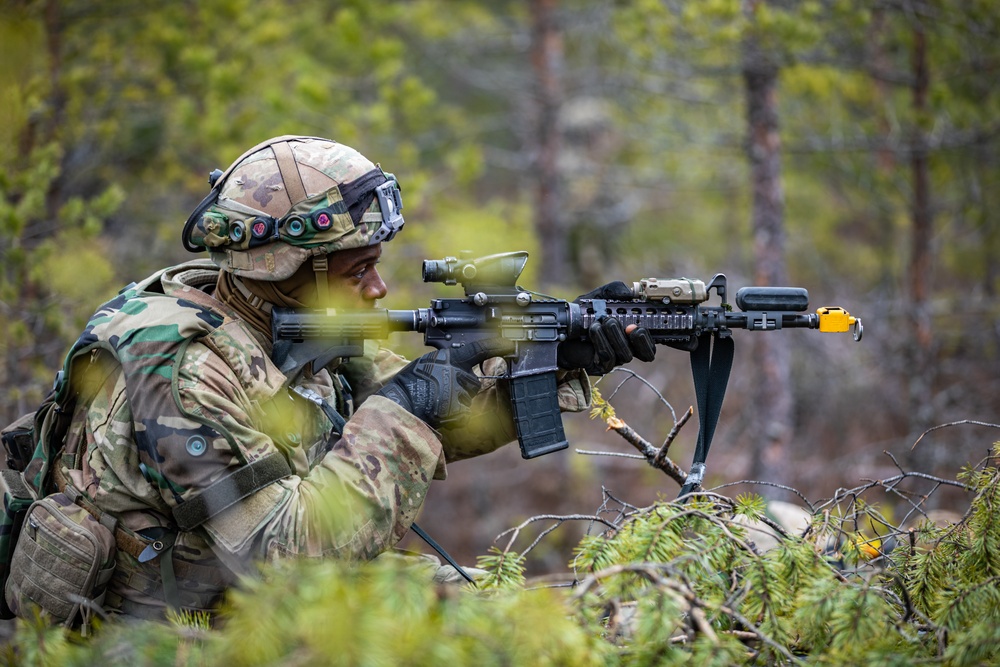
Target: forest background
pixel 845 146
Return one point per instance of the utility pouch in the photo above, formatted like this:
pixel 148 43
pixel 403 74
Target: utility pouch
pixel 16 501
pixel 19 441
pixel 62 562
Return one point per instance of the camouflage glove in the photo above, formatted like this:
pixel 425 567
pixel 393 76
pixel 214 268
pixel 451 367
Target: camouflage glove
pixel 429 566
pixel 446 574
pixel 607 344
pixel 439 386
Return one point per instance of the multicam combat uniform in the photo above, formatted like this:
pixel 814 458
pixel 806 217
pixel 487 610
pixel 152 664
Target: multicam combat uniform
pixel 176 433
pixel 183 422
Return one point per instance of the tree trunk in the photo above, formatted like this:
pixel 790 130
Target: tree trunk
pixel 921 385
pixel 547 65
pixel 772 403
pixel 885 157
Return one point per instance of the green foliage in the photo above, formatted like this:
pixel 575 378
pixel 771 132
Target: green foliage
pixel 750 505
pixel 381 613
pixel 672 584
pixel 55 267
pixel 112 113
pixel 131 105
pixel 600 408
pixel 505 570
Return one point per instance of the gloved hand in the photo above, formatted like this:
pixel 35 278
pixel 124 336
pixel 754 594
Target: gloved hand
pixel 439 386
pixel 607 344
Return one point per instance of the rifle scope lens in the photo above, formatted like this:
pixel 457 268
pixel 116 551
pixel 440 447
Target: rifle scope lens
pixel 437 271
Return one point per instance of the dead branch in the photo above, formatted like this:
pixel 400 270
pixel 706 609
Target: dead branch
pixel 958 423
pixel 661 455
pixel 771 484
pixel 632 375
pixel 559 519
pixel 656 457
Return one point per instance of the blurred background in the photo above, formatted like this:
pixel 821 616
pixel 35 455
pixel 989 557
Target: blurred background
pixel 846 146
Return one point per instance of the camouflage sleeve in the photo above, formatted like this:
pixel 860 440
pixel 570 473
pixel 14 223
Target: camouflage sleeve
pixel 369 373
pixel 357 501
pixel 490 424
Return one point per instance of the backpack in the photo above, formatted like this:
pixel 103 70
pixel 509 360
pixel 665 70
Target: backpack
pixel 57 548
pixel 18 443
pixel 54 553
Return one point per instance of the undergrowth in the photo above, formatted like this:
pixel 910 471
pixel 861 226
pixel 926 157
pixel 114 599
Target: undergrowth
pixel 676 583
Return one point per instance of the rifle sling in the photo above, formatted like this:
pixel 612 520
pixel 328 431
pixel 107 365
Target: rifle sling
pixel 438 548
pixel 710 369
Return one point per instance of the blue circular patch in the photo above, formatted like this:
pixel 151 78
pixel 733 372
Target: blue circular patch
pixel 237 231
pixel 196 445
pixel 296 226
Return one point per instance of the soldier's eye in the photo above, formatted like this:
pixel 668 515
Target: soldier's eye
pixel 364 271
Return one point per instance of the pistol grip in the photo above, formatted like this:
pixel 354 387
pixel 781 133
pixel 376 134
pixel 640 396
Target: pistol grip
pixel 536 414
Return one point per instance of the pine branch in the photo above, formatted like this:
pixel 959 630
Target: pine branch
pixel 652 572
pixel 891 485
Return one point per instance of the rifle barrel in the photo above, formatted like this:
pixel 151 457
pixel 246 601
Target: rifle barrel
pixel 376 324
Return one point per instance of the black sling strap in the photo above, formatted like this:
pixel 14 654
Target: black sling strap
pixel 710 369
pixel 438 548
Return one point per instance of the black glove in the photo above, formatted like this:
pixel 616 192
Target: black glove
pixel 607 344
pixel 439 386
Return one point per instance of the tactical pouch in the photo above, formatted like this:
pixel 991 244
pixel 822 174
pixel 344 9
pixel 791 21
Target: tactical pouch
pixel 19 441
pixel 62 562
pixel 16 501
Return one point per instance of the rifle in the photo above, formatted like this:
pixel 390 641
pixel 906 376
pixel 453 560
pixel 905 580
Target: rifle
pixel 673 311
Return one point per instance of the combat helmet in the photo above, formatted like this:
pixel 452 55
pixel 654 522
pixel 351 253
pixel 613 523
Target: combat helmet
pixel 291 199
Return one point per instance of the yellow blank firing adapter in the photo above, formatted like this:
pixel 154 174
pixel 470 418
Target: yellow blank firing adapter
pixel 834 319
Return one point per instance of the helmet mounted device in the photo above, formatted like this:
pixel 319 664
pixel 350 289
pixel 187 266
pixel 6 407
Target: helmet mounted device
pixel 277 207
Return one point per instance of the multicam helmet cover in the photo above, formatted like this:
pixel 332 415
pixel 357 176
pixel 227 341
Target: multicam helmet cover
pixel 289 199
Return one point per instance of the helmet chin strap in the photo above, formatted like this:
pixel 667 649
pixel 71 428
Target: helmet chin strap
pixel 320 265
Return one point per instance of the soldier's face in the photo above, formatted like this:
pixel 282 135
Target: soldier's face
pixel 354 281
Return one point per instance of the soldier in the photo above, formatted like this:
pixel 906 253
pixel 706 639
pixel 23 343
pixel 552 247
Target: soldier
pixel 181 435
